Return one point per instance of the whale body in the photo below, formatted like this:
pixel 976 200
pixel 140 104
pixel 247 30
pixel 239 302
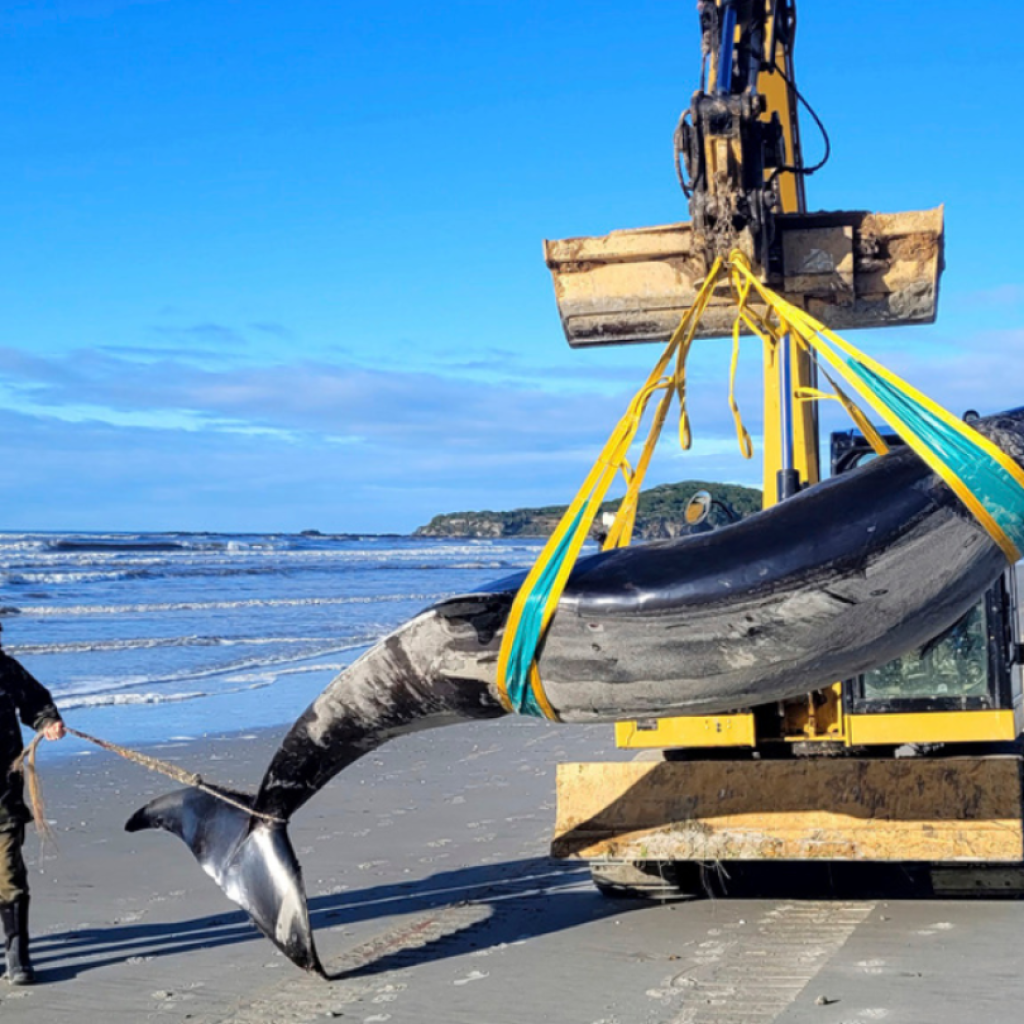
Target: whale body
pixel 841 578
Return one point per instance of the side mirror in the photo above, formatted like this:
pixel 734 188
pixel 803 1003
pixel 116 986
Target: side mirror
pixel 698 508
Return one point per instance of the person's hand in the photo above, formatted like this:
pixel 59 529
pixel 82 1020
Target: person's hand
pixel 54 731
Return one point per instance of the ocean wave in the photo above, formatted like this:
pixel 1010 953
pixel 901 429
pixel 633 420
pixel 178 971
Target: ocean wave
pixel 495 565
pixel 51 611
pixel 73 576
pixel 124 699
pixel 265 666
pixel 118 699
pixel 103 545
pixel 121 572
pixel 168 543
pixel 21 548
pixel 173 542
pixel 152 643
pixel 59 558
pixel 295 670
pixel 127 618
pixel 88 573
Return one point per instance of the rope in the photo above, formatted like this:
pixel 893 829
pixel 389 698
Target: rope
pixel 26 762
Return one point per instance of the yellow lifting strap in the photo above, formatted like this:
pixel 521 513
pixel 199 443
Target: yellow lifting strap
pixel 519 684
pixel 988 482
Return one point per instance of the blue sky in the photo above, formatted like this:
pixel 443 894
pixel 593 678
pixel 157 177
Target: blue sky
pixel 278 266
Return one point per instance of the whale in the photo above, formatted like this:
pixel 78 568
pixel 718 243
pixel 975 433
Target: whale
pixel 839 579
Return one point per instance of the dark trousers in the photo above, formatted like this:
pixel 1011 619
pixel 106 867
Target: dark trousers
pixel 13 876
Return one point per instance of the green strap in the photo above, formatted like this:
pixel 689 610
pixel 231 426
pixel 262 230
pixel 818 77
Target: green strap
pixel 989 482
pixel 527 638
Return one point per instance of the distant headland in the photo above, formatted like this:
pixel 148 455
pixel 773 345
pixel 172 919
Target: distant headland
pixel 659 514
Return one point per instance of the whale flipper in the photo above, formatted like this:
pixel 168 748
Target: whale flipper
pixel 251 859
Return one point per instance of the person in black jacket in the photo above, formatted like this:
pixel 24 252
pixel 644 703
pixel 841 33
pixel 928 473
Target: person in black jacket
pixel 24 697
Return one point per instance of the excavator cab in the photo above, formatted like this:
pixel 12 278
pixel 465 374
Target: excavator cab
pixel 973 667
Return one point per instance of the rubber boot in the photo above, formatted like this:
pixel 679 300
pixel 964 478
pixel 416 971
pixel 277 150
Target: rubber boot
pixel 15 921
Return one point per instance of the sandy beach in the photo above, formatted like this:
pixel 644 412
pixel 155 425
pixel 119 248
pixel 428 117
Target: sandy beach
pixel 434 900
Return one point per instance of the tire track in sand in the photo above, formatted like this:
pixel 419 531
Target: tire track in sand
pixel 753 978
pixel 302 999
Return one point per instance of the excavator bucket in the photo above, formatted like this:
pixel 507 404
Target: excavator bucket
pixel 849 270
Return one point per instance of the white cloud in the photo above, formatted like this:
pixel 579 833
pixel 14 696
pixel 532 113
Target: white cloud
pixel 140 442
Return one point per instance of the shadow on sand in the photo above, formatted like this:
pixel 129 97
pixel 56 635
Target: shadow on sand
pixel 518 900
pixel 515 901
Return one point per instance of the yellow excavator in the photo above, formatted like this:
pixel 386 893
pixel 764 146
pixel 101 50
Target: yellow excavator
pixel 917 761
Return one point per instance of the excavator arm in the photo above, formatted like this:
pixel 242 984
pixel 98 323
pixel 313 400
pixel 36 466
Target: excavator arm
pixel 738 138
pixel 740 163
pixel 730 787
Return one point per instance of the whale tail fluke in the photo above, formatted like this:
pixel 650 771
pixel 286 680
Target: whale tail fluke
pixel 251 859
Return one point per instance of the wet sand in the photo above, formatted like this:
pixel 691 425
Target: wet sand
pixel 434 900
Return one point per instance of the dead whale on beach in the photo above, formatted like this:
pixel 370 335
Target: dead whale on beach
pixel 839 579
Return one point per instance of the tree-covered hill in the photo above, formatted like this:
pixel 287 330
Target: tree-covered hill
pixel 659 514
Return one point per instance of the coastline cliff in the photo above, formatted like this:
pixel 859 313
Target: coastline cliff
pixel 659 514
